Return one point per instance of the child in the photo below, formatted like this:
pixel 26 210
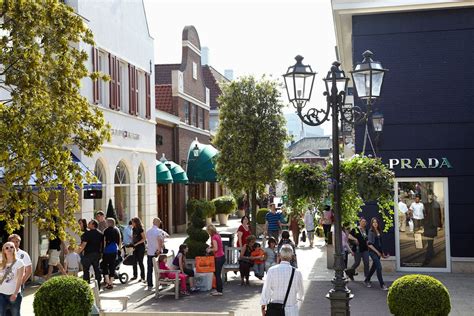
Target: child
pixel 259 262
pixel 270 254
pixel 162 259
pixel 179 263
pixel 72 261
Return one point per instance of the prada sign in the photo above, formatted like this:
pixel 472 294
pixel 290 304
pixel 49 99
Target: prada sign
pixel 419 163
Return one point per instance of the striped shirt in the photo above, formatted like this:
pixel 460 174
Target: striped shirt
pixel 273 220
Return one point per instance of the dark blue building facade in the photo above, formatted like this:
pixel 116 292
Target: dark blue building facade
pixel 428 106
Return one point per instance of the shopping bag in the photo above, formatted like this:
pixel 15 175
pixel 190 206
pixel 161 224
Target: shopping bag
pixel 205 264
pixel 411 226
pixel 418 241
pixel 303 236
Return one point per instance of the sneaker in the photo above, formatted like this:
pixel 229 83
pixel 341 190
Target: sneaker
pixel 216 293
pixel 134 278
pixel 384 288
pixel 185 293
pixel 193 289
pixel 149 288
pixel 368 283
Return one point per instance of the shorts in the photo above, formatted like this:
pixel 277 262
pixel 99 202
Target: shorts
pixel 53 257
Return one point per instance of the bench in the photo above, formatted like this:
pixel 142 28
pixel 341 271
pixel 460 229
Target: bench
pixel 232 255
pixel 98 298
pixel 166 286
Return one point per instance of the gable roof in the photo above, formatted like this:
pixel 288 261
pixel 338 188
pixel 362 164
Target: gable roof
pixel 307 154
pixel 212 78
pixel 164 98
pixel 163 73
pixel 310 145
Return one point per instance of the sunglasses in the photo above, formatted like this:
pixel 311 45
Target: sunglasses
pixel 9 247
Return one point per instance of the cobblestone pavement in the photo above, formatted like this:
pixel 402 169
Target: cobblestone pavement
pixel 245 300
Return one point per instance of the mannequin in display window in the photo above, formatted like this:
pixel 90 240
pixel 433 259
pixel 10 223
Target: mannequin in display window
pixel 432 221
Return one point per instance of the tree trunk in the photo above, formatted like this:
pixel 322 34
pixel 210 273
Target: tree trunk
pixel 254 208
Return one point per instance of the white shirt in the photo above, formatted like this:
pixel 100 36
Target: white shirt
pixel 309 220
pixel 73 261
pixel 402 207
pixel 417 209
pixel 152 236
pixel 24 256
pixel 8 286
pixel 276 285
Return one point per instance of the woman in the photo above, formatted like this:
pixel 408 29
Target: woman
pixel 245 259
pixel 270 254
pixel 309 225
pixel 285 240
pixel 243 232
pixel 11 276
pixel 295 227
pixel 180 264
pixel 138 240
pixel 112 243
pixel 54 252
pixel 375 252
pixel 326 221
pixel 218 250
pixel 346 247
pixel 82 225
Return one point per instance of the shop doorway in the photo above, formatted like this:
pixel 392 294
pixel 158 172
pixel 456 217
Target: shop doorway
pixel 163 204
pixel 422 224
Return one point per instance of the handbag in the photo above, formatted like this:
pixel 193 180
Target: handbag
pixel 7 271
pixel 129 260
pixel 303 236
pixel 277 309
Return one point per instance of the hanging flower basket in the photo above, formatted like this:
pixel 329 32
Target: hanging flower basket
pixel 305 181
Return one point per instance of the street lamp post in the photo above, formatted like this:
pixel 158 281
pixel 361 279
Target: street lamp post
pixel 299 80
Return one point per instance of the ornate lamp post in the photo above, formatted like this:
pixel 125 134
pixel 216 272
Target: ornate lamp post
pixel 299 80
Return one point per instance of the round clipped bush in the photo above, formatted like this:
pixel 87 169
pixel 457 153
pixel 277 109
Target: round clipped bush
pixel 63 296
pixel 261 215
pixel 225 204
pixel 195 248
pixel 418 294
pixel 197 234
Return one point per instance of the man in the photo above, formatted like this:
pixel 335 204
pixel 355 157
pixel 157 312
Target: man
pixel 309 225
pixel 402 215
pixel 100 218
pixel 92 245
pixel 432 223
pixel 155 238
pixel 277 281
pixel 128 238
pixel 359 236
pixel 273 223
pixel 417 208
pixel 23 255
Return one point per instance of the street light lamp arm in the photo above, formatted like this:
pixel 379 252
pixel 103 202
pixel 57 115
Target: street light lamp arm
pixel 313 116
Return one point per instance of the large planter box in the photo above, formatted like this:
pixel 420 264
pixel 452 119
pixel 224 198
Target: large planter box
pixel 223 219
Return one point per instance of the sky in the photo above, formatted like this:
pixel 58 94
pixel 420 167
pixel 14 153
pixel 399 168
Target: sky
pixel 251 37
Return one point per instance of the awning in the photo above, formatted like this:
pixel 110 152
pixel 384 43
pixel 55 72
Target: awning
pixel 84 171
pixel 201 168
pixel 163 174
pixel 178 173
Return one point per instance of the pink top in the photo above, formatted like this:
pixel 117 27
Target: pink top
pixel 163 266
pixel 220 248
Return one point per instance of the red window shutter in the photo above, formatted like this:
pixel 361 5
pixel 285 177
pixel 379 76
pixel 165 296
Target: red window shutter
pixel 95 68
pixel 130 89
pixel 118 85
pixel 148 96
pixel 111 82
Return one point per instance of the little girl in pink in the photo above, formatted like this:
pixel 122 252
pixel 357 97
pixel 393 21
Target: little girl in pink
pixel 171 275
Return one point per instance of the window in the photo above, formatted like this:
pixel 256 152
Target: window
pixel 122 193
pixel 124 88
pixel 99 172
pixel 104 85
pixel 141 192
pixel 422 224
pixel 141 107
pixel 193 120
pixel 186 112
pixel 195 75
pixel 201 117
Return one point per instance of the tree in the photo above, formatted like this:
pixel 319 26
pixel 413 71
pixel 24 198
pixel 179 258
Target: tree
pixel 43 114
pixel 251 136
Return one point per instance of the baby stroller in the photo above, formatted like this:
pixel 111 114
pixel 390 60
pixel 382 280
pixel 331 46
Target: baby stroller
pixel 122 277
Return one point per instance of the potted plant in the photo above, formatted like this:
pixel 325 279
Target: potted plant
pixel 224 206
pixel 198 237
pixel 240 199
pixel 63 296
pixel 261 220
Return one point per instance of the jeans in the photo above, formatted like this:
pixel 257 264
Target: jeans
pixel 219 262
pixel 91 259
pixel 139 253
pixel 13 307
pixel 376 265
pixel 275 234
pixel 327 229
pixel 364 255
pixel 259 269
pixel 149 270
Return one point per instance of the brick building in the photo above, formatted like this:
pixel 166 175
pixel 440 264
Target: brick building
pixel 182 116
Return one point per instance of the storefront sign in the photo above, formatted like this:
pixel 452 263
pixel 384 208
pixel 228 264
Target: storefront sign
pixel 124 134
pixel 419 163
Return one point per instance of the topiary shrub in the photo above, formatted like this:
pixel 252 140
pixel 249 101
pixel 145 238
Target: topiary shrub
pixel 198 210
pixel 225 204
pixel 197 234
pixel 63 296
pixel 206 208
pixel 261 215
pixel 418 294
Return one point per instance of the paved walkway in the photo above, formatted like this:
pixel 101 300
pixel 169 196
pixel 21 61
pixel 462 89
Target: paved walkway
pixel 245 300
